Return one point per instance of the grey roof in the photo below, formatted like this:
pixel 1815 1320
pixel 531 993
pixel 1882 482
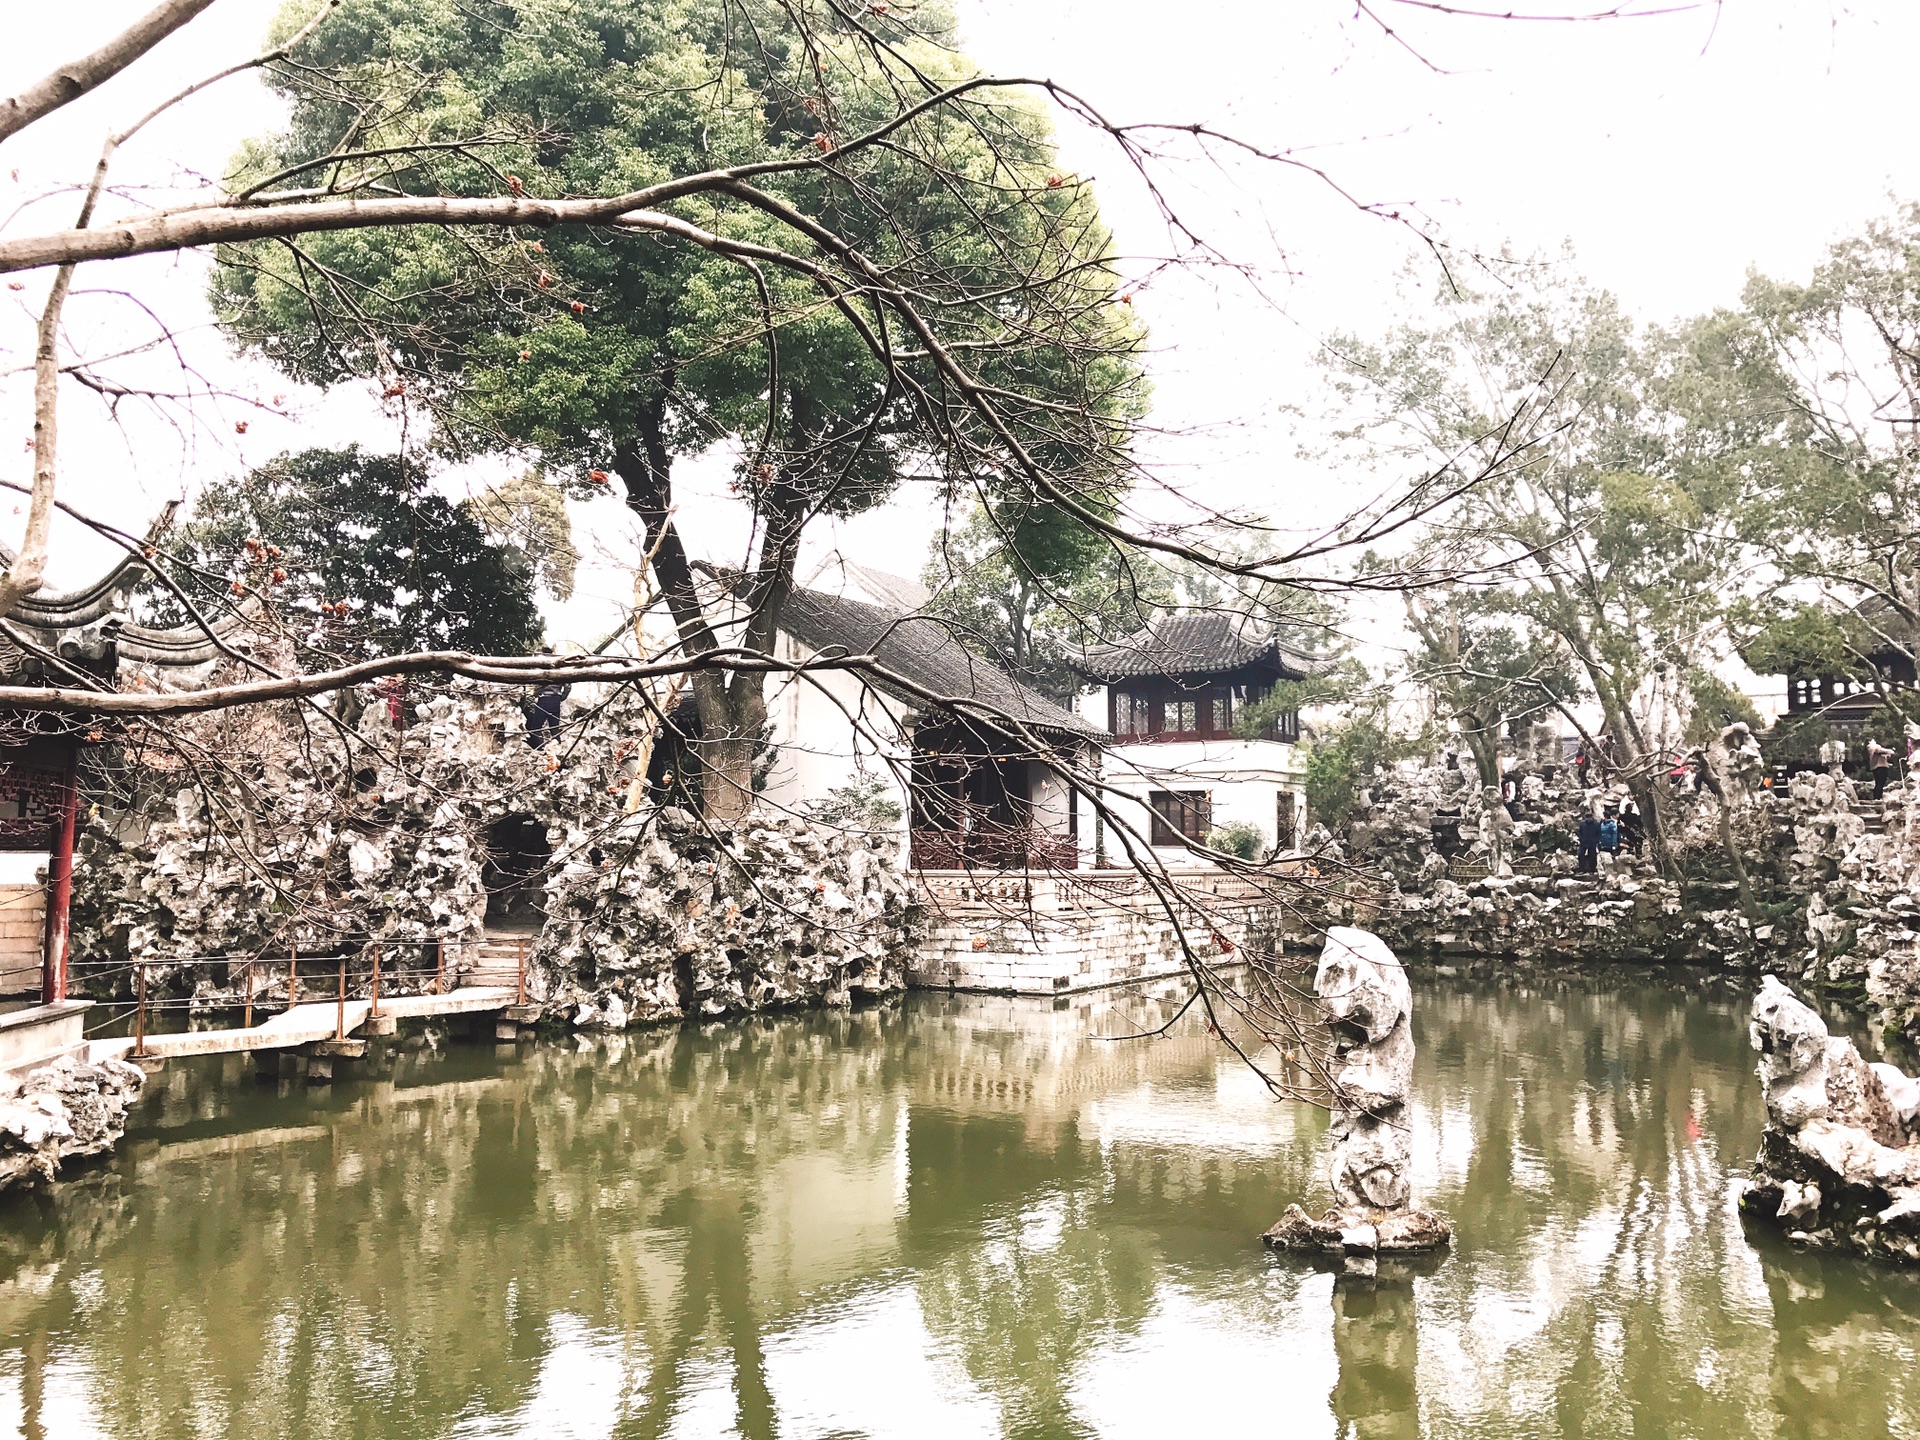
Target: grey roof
pixel 924 652
pixel 863 582
pixel 1194 645
pixel 87 627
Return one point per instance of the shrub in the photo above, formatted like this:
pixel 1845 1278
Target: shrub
pixel 1239 839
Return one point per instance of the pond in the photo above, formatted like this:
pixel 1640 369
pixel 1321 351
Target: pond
pixel 956 1216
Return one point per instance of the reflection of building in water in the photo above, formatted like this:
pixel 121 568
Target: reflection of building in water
pixel 1012 1056
pixel 848 1225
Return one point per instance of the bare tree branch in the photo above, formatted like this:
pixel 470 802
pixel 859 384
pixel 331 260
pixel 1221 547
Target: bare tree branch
pixel 74 79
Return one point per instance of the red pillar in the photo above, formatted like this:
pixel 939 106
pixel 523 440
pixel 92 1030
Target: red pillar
pixel 53 963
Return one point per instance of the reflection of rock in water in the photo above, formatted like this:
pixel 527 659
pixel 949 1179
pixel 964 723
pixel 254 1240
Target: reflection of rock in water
pixel 1833 1339
pixel 1376 1339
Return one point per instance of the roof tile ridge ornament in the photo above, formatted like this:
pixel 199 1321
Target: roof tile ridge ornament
pixel 88 628
pixel 89 601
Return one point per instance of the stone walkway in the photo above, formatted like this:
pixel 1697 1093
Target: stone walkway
pixel 309 1024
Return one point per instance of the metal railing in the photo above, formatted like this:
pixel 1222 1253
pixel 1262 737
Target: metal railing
pixel 349 979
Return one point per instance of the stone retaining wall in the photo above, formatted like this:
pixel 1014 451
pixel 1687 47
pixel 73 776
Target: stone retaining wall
pixel 1059 934
pixel 23 929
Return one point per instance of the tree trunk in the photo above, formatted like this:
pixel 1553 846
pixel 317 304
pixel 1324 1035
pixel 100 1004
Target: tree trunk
pixel 731 708
pixel 726 774
pixel 1484 742
pixel 1741 879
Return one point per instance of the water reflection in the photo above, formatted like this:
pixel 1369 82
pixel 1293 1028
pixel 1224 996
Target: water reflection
pixel 1376 1341
pixel 963 1217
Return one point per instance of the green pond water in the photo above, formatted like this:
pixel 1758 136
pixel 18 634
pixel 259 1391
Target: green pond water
pixel 956 1216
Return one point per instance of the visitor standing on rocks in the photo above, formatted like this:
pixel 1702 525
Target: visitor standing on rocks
pixel 393 690
pixel 545 721
pixel 1879 761
pixel 1589 838
pixel 1631 829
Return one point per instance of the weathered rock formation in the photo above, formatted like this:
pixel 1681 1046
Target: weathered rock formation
pixel 1839 1161
pixel 1434 848
pixel 1369 1008
pixel 385 837
pixel 681 922
pixel 64 1111
pixel 1863 886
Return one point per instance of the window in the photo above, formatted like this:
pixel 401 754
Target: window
pixel 1130 712
pixel 1180 815
pixel 1219 720
pixel 1180 717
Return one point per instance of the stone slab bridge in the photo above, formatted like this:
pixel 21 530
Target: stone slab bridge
pixel 328 1028
pixel 316 1033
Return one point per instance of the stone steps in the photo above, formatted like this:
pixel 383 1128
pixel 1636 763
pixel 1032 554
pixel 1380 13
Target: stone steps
pixel 1873 814
pixel 497 959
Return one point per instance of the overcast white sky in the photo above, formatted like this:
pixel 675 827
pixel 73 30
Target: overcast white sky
pixel 1674 153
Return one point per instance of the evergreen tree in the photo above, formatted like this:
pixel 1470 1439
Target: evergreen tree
pixel 360 557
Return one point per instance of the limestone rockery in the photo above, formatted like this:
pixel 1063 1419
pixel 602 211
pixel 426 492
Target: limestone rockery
pixel 1839 1161
pixel 339 842
pixel 1831 874
pixel 61 1113
pixel 681 921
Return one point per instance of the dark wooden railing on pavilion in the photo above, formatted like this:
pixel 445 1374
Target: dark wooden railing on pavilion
pixel 994 848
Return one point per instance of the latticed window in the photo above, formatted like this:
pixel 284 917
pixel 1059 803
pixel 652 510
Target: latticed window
pixel 1180 815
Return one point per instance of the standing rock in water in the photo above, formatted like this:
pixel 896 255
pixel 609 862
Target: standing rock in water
pixel 1839 1161
pixel 1369 1008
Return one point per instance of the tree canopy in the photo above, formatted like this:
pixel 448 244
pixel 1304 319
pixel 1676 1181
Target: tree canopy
pixel 360 558
pixel 818 341
pixel 1612 541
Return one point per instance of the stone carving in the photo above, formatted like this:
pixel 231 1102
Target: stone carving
pixel 1839 1165
pixel 1368 1006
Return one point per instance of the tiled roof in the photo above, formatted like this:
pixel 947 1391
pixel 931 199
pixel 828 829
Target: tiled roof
pixel 1194 645
pixel 88 627
pixel 923 652
pixel 837 575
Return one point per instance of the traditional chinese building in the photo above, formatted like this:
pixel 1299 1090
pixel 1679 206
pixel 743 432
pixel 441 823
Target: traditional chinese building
pixel 969 756
pixel 1848 702
pixel 1198 742
pixel 78 639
